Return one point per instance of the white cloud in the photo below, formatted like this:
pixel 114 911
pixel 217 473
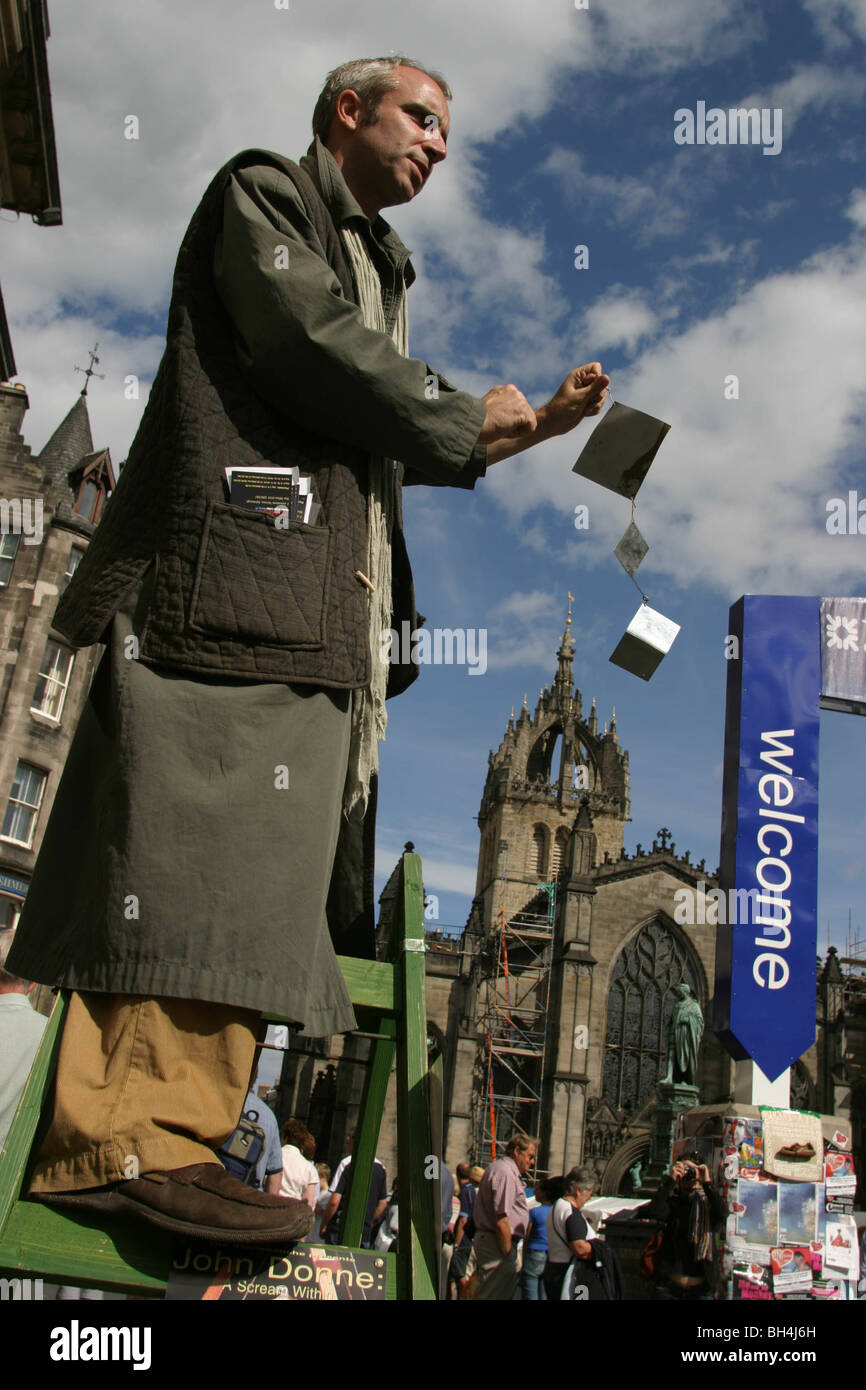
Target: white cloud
pixel 655 206
pixel 835 20
pixel 445 876
pixel 811 86
pixel 856 209
pixel 736 497
pixel 212 76
pixel 619 318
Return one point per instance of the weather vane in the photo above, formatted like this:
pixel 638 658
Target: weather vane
pixel 89 372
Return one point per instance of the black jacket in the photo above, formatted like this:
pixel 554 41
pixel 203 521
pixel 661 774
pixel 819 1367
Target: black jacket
pixel 670 1205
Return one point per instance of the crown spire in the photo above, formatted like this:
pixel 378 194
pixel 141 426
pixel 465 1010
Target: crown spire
pixel 563 684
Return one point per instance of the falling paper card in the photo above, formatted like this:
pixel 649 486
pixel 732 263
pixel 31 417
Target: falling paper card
pixel 646 641
pixel 630 549
pixel 621 448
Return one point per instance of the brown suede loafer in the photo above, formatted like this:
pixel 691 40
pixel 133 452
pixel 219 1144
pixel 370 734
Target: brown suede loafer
pixel 203 1202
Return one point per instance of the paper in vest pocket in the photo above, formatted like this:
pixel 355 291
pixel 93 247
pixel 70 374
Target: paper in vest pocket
pixel 620 449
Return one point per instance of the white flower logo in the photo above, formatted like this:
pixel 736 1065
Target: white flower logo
pixel 842 633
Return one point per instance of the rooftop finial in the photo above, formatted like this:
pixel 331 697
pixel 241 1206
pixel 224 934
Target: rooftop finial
pixel 89 372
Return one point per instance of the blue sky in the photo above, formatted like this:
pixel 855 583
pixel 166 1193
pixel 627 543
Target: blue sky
pixel 704 261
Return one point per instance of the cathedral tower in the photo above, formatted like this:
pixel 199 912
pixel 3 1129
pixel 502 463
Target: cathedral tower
pixel 548 766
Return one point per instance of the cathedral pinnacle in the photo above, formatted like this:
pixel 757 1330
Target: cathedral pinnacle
pixel 563 685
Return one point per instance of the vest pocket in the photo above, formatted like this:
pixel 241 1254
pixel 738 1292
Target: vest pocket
pixel 257 583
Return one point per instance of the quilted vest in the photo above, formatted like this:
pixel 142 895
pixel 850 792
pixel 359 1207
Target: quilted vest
pixel 227 593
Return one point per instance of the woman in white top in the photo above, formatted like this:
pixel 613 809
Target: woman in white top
pixel 567 1230
pixel 300 1179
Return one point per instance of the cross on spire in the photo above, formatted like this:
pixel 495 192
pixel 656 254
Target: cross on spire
pixel 664 836
pixel 89 372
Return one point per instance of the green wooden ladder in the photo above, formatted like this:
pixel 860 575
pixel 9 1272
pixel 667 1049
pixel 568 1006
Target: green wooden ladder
pixel 132 1257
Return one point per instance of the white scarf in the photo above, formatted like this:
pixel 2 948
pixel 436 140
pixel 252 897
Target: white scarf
pixel 369 716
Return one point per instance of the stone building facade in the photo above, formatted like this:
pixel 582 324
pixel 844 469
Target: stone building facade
pixel 50 505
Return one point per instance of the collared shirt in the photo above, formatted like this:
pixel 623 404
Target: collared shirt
pixel 501 1193
pixel 21 1029
pixel 306 347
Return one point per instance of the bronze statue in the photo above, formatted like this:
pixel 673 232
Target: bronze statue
pixel 683 1037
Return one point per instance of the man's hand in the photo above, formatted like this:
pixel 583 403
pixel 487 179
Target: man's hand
pixel 503 1236
pixel 583 393
pixel 509 415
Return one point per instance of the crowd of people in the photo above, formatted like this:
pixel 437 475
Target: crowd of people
pixel 499 1234
pixel 506 1237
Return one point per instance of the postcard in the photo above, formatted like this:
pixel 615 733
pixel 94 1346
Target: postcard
pixel 793 1267
pixel 757 1211
pixel 751 1281
pixel 840 1247
pixel 798 1212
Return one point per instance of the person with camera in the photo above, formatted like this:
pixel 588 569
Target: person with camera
pixel 691 1210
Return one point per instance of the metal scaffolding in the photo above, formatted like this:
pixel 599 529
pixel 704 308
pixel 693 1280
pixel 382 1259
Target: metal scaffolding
pixel 513 1024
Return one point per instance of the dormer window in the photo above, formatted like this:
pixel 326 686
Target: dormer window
pixel 87 499
pixel 92 484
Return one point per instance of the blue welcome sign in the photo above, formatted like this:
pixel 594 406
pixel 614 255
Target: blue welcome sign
pixel 764 1005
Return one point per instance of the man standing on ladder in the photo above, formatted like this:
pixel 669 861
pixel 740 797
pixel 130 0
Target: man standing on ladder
pixel 211 842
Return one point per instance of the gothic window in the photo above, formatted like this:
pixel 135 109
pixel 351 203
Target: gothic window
pixel 542 765
pixel 555 759
pixel 639 1003
pixel 487 858
pixel 538 852
pixel 558 856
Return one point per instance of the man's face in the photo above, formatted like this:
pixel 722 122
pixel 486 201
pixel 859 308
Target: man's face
pixel 395 156
pixel 524 1159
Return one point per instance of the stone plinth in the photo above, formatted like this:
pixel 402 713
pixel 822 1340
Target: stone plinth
pixel 672 1101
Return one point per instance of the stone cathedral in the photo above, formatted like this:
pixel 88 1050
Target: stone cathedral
pixel 553 1009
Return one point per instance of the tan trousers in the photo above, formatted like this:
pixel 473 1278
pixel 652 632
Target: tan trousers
pixel 142 1085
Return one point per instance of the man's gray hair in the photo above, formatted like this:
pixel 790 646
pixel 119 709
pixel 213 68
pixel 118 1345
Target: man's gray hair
pixel 371 78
